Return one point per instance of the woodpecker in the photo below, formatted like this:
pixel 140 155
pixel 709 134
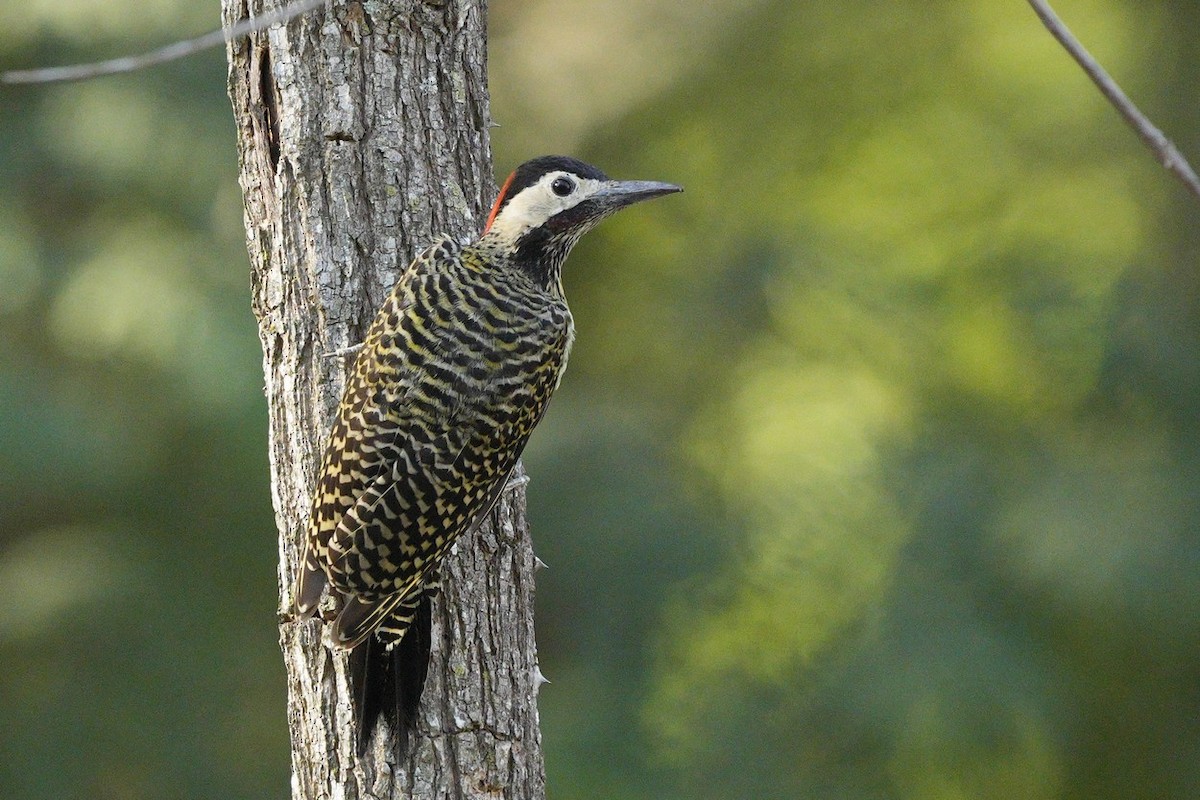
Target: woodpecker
pixel 454 374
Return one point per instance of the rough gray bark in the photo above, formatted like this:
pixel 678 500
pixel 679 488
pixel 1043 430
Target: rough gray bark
pixel 363 133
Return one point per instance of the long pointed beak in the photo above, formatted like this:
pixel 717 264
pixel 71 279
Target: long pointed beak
pixel 623 193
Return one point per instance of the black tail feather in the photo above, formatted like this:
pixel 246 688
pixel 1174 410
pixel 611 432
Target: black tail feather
pixel 368 679
pixel 389 683
pixel 410 660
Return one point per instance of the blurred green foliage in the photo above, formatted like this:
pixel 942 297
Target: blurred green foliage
pixel 876 473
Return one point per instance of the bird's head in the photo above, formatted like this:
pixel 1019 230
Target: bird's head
pixel 549 202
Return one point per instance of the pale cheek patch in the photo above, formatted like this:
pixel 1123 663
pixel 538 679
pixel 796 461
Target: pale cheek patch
pixel 533 206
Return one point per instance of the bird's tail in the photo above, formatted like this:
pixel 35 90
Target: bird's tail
pixel 388 670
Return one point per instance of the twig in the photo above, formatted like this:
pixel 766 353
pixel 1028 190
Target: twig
pixel 516 483
pixel 342 352
pixel 171 52
pixel 1168 155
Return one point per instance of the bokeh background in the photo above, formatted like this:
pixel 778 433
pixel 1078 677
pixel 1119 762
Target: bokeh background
pixel 875 474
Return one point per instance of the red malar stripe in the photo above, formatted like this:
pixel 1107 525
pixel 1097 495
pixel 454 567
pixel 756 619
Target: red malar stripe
pixel 499 200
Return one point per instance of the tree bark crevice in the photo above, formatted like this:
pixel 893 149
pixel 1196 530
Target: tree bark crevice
pixel 362 134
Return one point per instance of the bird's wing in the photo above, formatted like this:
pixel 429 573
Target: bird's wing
pixel 352 462
pixel 402 566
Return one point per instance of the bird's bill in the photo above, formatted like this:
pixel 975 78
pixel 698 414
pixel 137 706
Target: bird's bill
pixel 623 193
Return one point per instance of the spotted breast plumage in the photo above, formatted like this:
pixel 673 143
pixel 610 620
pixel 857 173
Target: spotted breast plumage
pixel 454 374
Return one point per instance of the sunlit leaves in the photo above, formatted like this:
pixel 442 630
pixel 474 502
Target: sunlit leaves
pixel 60 573
pixel 801 453
pixel 1011 756
pixel 83 21
pixel 886 301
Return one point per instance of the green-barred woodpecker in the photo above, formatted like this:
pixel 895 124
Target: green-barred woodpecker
pixel 455 372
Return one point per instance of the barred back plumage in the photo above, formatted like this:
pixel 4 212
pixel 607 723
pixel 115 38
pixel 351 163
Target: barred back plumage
pixel 454 374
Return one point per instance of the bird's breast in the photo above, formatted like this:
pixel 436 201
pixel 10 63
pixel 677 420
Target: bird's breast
pixel 470 353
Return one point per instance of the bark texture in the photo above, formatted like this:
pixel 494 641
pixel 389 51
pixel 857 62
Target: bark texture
pixel 362 133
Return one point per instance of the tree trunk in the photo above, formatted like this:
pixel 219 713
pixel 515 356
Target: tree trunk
pixel 362 133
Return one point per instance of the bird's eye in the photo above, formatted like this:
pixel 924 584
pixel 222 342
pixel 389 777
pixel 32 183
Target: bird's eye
pixel 562 186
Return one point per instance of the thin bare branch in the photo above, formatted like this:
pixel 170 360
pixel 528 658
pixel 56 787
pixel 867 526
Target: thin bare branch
pixel 1168 155
pixel 171 52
